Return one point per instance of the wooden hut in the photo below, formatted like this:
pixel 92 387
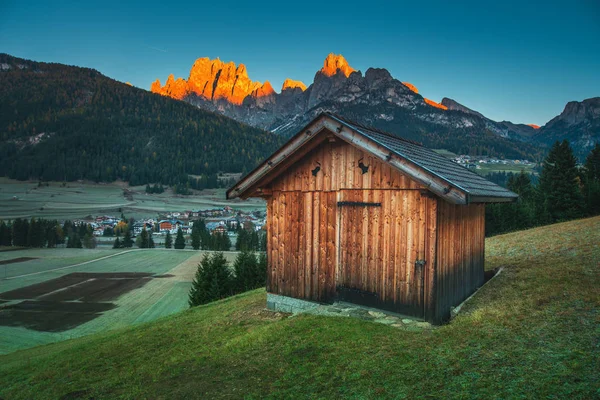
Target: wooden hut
pixel 364 216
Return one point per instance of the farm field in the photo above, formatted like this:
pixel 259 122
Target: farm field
pixel 515 168
pixel 49 295
pixel 530 333
pixel 78 200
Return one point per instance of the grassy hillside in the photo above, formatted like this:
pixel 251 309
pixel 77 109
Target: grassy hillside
pixel 530 333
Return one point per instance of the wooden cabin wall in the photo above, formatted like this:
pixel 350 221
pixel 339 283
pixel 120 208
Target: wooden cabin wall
pixel 460 254
pixel 303 213
pixel 301 251
pixel 339 168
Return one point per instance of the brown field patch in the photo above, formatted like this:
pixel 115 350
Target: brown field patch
pixel 17 260
pixel 68 301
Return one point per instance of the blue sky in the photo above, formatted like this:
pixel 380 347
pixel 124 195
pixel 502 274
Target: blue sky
pixel 511 60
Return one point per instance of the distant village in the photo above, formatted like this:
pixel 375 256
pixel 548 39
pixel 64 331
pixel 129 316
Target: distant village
pixel 476 162
pixel 224 220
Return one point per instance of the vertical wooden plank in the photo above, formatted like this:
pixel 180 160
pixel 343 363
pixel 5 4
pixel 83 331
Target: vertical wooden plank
pixel 338 238
pixel 323 246
pixel 364 248
pixel 308 243
pixel 331 243
pixel 288 243
pixel 275 242
pixel 411 246
pixel 350 167
pixel 301 239
pixel 387 243
pixel 315 245
pixel 396 239
pixel 381 244
pixel 269 243
pixel 334 166
pixel 281 253
pixel 368 235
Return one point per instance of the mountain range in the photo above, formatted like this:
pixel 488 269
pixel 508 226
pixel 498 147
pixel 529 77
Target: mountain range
pixel 379 100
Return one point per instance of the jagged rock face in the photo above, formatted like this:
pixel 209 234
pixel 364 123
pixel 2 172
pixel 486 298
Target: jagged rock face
pixel 335 64
pixel 454 105
pixel 292 84
pixel 214 80
pixel 579 123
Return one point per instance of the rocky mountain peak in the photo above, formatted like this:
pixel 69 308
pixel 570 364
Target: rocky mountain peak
pixel 334 63
pixel 534 126
pixel 292 84
pixel 265 90
pixel 411 87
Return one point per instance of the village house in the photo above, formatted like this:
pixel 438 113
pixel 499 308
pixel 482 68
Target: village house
pixel 360 215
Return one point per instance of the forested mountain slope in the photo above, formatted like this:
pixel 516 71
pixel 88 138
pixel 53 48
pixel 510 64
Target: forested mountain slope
pixel 60 122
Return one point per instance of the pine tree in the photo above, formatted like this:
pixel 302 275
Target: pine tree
pixel 179 239
pixel 168 241
pixel 150 240
pixel 89 241
pixel 127 241
pixel 591 180
pixel 144 243
pixel 117 243
pixel 196 240
pixel 248 272
pixel 559 184
pixel 5 234
pixel 74 241
pixel 213 280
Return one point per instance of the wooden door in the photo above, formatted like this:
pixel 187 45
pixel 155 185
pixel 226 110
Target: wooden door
pixel 382 238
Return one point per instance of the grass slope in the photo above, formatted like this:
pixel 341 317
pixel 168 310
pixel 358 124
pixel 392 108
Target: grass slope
pixel 530 333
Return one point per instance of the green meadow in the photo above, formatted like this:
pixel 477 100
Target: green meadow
pixel 157 298
pixel 532 332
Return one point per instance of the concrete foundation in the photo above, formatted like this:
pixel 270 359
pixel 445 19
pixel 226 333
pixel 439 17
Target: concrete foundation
pixel 287 304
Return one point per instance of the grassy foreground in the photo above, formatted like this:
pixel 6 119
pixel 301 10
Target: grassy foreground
pixel 533 332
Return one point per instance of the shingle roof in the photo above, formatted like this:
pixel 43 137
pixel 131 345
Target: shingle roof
pixel 453 173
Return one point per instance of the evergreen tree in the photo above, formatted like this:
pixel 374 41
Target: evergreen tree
pixel 144 243
pixel 150 240
pixel 74 241
pixel 20 230
pixel 196 239
pixel 52 234
pixel 117 243
pixel 559 184
pixel 5 234
pixel 168 241
pixel 127 241
pixel 248 272
pixel 213 280
pixel 89 241
pixel 179 239
pixel 591 181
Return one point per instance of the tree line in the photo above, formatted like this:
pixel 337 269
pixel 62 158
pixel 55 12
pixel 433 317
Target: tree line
pixel 46 233
pixel 564 192
pixel 215 279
